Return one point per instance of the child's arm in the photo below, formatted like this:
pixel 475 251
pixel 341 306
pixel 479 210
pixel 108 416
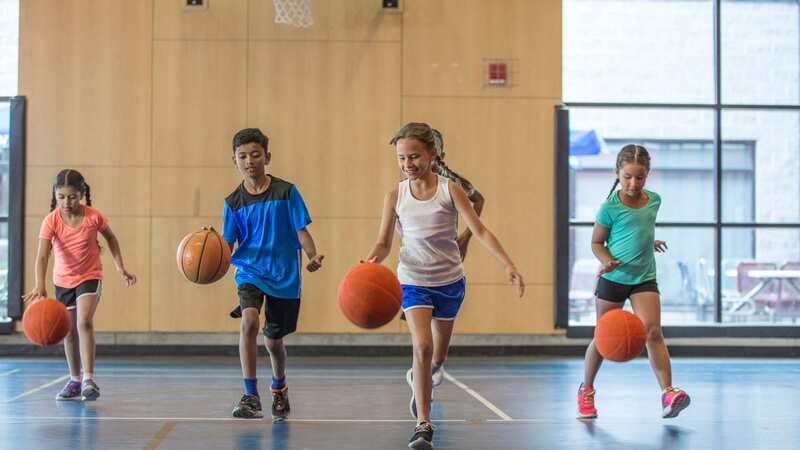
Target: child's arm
pixel 483 234
pixel 307 242
pixel 477 201
pixel 116 253
pixel 42 258
pixel 599 236
pixel 386 234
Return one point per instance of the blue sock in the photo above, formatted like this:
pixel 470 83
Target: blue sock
pixel 278 383
pixel 251 386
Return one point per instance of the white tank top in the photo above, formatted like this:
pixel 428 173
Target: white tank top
pixel 429 254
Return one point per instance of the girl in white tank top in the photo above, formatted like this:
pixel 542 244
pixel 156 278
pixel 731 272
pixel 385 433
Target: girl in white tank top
pixel 424 209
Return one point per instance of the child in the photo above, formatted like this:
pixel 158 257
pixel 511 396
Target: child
pixel 425 208
pixel 477 200
pixel 70 231
pixel 624 241
pixel 267 219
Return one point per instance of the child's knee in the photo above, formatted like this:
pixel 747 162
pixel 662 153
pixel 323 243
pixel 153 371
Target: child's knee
pixel 85 325
pixel 274 345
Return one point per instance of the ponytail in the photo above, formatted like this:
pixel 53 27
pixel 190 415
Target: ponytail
pixel 88 194
pixel 458 179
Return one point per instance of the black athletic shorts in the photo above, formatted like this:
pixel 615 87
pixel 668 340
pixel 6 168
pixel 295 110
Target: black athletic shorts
pixel 69 296
pixel 281 313
pixel 616 292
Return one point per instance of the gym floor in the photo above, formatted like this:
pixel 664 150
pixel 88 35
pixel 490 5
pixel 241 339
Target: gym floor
pixel 349 403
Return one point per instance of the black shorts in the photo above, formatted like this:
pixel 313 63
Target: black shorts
pixel 616 292
pixel 281 313
pixel 69 296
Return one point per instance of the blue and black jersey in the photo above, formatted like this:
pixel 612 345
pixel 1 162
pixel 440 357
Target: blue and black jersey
pixel 264 228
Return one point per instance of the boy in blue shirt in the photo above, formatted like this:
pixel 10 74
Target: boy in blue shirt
pixel 266 218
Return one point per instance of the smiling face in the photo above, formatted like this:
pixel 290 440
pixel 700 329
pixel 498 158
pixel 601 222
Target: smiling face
pixel 251 159
pixel 632 177
pixel 68 199
pixel 414 158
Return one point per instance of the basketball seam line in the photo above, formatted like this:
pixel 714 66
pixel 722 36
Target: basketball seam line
pixel 200 260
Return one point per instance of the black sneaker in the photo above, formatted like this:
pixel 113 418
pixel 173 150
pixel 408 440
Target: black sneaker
pixel 280 403
pixel 423 437
pixel 236 313
pixel 249 407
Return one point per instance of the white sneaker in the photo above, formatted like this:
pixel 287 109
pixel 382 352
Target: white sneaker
pixel 437 375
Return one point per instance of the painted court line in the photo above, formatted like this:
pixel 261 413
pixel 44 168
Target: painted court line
pixel 37 389
pixel 9 372
pixel 162 433
pixel 478 397
pixel 216 419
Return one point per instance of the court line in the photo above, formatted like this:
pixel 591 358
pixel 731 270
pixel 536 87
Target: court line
pixel 218 419
pixel 162 433
pixel 37 389
pixel 9 372
pixel 478 397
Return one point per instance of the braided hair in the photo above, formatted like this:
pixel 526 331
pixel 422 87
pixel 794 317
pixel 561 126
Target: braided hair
pixel 438 144
pixel 631 154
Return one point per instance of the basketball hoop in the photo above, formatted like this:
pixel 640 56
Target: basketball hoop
pixel 295 13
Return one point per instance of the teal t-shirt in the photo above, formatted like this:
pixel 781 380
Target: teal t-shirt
pixel 631 235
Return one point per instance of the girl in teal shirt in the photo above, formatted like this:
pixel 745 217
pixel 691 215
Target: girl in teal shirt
pixel 624 241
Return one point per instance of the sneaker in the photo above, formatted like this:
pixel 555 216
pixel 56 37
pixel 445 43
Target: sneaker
pixel 90 391
pixel 673 401
pixel 422 439
pixel 236 313
pixel 249 407
pixel 280 403
pixel 71 391
pixel 437 375
pixel 586 409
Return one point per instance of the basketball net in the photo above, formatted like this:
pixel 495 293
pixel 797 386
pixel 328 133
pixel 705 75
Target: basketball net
pixel 295 13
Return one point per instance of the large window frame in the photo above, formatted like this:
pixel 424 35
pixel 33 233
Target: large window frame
pixel 563 223
pixel 16 210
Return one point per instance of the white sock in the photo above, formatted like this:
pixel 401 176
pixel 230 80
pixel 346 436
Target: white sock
pixel 75 379
pixel 87 376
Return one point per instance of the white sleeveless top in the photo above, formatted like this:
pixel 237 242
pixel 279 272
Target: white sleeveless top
pixel 429 254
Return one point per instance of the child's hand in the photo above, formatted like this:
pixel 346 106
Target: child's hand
pixel 33 295
pixel 315 263
pixel 128 278
pixel 660 246
pixel 608 266
pixel 515 278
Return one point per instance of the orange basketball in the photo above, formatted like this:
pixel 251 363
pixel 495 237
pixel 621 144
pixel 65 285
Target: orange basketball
pixel 619 336
pixel 370 295
pixel 46 322
pixel 203 256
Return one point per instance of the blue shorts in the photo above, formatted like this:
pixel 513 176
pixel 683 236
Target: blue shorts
pixel 444 300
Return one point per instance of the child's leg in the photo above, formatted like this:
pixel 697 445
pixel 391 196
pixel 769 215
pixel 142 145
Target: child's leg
pixel 442 330
pixel 593 359
pixel 248 342
pixel 419 324
pixel 647 306
pixel 87 305
pixel 72 349
pixel 277 357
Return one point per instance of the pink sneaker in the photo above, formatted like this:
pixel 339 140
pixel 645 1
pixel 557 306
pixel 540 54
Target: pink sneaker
pixel 586 409
pixel 673 401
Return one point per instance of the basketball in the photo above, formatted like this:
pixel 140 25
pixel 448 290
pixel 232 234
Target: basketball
pixel 619 336
pixel 46 322
pixel 203 256
pixel 370 295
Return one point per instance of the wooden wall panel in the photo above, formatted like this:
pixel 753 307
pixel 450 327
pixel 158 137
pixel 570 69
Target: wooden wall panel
pixel 505 148
pixel 199 102
pixel 193 191
pixel 334 20
pixel 495 309
pixel 85 69
pixel 116 191
pixel 222 19
pixel 329 109
pixel 445 41
pixel 177 304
